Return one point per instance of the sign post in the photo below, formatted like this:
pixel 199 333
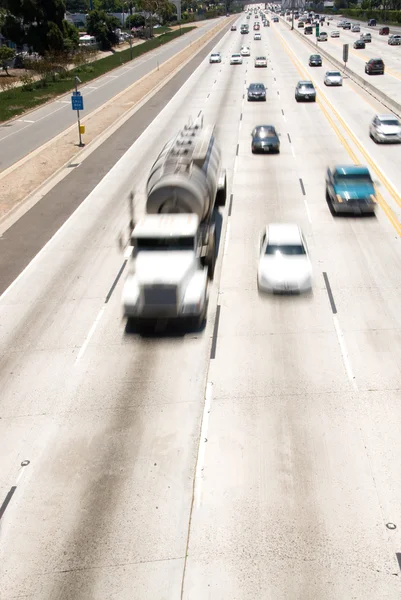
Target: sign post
pixel 77 103
pixel 345 54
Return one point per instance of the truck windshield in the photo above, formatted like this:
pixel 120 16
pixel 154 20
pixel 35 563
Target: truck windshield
pixel 169 243
pixel 352 180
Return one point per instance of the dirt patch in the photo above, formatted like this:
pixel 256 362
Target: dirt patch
pixel 29 174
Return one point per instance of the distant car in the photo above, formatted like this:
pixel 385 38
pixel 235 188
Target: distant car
pixel 301 24
pixel 284 263
pixel 372 23
pixel 385 129
pixel 356 28
pixel 347 25
pixel 233 28
pixel 374 66
pixel 359 44
pixel 335 34
pixel 305 90
pixel 333 78
pixel 257 91
pixel 236 59
pixel 257 36
pixel 266 24
pixel 245 51
pixel 394 40
pixel 350 189
pixel 384 30
pixel 308 30
pixel 275 19
pixel 256 27
pixel 265 139
pixel 315 60
pixel 215 57
pixel 323 37
pixel 260 61
pixel 366 37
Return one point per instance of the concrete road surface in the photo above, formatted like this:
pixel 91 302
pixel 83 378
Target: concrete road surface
pixel 20 136
pixel 267 469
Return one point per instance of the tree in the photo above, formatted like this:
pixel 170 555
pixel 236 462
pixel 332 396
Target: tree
pixel 77 6
pixel 103 27
pixel 135 20
pixel 39 24
pixel 152 7
pixel 6 54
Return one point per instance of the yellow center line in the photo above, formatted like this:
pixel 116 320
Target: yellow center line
pixel 381 201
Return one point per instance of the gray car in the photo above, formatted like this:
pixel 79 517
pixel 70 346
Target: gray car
pixel 305 90
pixel 257 91
pixel 265 139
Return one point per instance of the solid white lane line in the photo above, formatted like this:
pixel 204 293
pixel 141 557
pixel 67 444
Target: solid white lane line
pixel 90 334
pixel 292 150
pixel 200 464
pixel 344 353
pixel 25 121
pixel 227 238
pixel 307 210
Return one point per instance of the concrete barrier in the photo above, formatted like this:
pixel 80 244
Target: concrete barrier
pixel 388 102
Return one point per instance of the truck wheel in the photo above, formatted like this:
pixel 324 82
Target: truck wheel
pixel 211 257
pixel 222 194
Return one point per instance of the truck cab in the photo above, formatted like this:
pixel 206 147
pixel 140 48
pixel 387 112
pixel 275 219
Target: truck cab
pixel 350 189
pixel 167 277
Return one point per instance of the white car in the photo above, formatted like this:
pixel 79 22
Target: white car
pixel 215 57
pixel 385 129
pixel 333 78
pixel 335 34
pixel 322 37
pixel 257 36
pixel 236 59
pixel 261 61
pixel 245 51
pixel 356 28
pixel 284 264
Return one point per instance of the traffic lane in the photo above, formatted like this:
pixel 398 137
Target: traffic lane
pixel 363 257
pixel 93 393
pixel 273 520
pixel 234 532
pixel 382 159
pixel 24 239
pixel 25 135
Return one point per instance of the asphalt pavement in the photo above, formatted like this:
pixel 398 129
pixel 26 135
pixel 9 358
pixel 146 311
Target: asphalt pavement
pixel 21 136
pixel 149 467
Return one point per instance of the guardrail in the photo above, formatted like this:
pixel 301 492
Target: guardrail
pixel 388 102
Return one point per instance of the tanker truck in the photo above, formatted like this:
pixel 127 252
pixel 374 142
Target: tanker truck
pixel 174 245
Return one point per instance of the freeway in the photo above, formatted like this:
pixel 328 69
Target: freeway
pixel 23 135
pixel 390 82
pixel 264 469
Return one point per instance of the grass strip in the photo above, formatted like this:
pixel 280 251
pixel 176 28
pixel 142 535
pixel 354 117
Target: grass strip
pixel 17 100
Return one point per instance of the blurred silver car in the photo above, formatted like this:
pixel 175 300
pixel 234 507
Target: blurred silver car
pixel 385 129
pixel 261 61
pixel 333 78
pixel 284 264
pixel 236 59
pixel 335 34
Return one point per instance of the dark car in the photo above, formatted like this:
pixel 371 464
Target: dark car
pixel 372 23
pixel 359 44
pixel 384 30
pixel 308 30
pixel 305 90
pixel 315 60
pixel 265 139
pixel 374 66
pixel 257 91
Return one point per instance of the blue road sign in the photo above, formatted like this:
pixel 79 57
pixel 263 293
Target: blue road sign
pixel 77 102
